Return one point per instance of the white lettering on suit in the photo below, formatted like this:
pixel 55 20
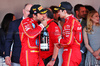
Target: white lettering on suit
pixel 27 27
pixel 66 30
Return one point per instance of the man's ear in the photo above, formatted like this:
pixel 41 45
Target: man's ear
pixel 54 15
pixel 23 11
pixel 34 16
pixel 77 12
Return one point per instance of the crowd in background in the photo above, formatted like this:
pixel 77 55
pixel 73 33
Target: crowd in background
pixel 11 41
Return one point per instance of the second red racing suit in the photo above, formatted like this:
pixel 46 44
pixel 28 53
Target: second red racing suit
pixel 28 36
pixel 54 32
pixel 72 37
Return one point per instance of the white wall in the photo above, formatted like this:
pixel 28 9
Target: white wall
pixel 16 6
pixel 94 3
pixel 13 6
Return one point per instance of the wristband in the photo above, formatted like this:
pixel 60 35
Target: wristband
pixel 53 59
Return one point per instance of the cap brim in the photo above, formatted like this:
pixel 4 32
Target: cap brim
pixel 59 8
pixel 43 11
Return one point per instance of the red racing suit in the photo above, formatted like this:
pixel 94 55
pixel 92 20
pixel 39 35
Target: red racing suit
pixel 54 32
pixel 28 36
pixel 72 37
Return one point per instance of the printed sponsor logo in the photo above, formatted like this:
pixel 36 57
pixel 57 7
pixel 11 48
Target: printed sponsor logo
pixel 67 27
pixel 25 22
pixel 80 36
pixel 34 9
pixel 65 49
pixel 59 5
pixel 40 8
pixel 27 27
pixel 35 12
pixel 79 28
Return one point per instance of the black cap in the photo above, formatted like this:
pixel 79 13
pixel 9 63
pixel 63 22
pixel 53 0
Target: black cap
pixel 53 9
pixel 43 11
pixel 36 9
pixel 64 6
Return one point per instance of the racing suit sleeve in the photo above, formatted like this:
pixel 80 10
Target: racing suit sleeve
pixel 75 33
pixel 29 30
pixel 55 33
pixel 78 32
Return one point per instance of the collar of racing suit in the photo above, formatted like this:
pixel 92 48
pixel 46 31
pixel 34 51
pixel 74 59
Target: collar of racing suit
pixel 48 22
pixel 67 19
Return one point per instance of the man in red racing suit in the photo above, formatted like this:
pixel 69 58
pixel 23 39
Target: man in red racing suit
pixel 71 36
pixel 29 51
pixel 29 31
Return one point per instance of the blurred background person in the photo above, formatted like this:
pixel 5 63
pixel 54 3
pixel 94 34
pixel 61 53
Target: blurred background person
pixel 55 13
pixel 57 18
pixel 89 8
pixel 80 11
pixel 80 14
pixel 3 32
pixel 91 35
pixel 13 38
pixel 99 11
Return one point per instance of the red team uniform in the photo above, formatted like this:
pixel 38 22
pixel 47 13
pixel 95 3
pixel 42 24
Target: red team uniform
pixel 54 33
pixel 72 37
pixel 28 36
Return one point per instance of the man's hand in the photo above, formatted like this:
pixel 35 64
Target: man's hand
pixel 51 63
pixel 59 45
pixel 8 60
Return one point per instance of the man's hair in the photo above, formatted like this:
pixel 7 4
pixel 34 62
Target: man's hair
pixel 77 7
pixel 26 5
pixel 31 15
pixel 66 6
pixel 68 11
pixel 89 7
pixel 49 14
